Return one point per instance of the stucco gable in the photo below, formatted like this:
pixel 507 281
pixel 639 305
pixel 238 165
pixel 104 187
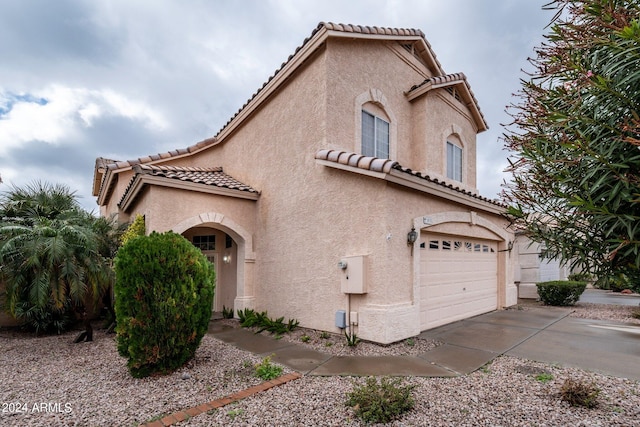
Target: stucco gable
pixel 463 93
pixel 105 173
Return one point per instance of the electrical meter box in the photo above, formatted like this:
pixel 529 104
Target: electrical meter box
pixel 354 274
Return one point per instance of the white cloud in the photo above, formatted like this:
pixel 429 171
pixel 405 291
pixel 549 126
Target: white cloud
pixel 64 112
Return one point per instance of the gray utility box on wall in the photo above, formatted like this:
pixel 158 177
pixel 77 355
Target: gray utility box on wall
pixel 341 319
pixel 354 274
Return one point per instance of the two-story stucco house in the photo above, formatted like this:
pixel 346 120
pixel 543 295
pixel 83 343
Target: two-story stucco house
pixel 307 198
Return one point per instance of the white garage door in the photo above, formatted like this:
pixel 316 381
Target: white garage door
pixel 458 278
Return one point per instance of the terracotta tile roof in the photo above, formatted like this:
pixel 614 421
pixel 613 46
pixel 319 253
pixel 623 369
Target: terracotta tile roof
pixel 356 160
pixel 209 176
pixel 387 166
pixel 384 31
pixel 446 81
pixel 329 26
pixel 450 186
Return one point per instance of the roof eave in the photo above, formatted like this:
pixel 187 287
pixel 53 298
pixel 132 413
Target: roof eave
pixel 442 191
pixel 142 180
pixel 431 188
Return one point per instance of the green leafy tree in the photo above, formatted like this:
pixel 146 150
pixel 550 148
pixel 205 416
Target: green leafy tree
pixel 164 291
pixel 135 229
pixel 54 256
pixel 575 138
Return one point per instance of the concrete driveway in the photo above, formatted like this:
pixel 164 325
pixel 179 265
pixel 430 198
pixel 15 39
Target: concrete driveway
pixel 544 334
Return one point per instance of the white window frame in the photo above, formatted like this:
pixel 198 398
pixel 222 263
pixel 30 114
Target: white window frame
pixel 375 141
pixel 454 161
pixel 374 101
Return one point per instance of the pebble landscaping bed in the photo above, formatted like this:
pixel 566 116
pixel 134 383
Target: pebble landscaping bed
pixel 48 381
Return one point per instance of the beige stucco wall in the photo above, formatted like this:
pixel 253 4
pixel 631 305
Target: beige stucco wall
pixel 309 216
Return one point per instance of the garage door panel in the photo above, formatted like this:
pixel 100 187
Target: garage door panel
pixel 458 278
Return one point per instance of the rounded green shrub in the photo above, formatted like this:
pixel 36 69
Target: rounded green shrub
pixel 164 291
pixel 560 292
pixel 382 402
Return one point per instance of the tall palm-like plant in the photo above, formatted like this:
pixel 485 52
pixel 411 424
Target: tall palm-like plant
pixel 52 253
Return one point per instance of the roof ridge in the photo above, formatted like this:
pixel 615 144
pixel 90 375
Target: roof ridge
pixel 364 29
pixel 180 168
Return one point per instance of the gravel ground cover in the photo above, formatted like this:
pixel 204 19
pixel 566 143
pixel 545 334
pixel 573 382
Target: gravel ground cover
pixel 48 381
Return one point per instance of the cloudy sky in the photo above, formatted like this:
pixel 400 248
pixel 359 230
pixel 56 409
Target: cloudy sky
pixel 122 79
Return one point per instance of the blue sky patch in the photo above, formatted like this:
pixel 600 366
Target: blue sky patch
pixel 8 100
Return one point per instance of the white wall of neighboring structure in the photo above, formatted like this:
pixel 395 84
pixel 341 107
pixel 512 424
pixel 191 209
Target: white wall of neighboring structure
pixel 531 268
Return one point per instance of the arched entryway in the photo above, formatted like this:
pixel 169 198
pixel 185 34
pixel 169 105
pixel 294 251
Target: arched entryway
pixel 225 244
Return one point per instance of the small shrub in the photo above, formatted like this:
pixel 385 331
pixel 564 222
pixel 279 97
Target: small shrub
pixel 233 413
pixel 267 370
pixel 410 342
pixel 381 402
pixel 352 339
pixel 45 320
pixel 250 318
pixel 544 377
pixel 305 338
pixel 325 335
pixel 164 290
pixel 578 393
pixel 580 277
pixel 135 229
pixel 227 313
pixel 560 292
pixel 628 278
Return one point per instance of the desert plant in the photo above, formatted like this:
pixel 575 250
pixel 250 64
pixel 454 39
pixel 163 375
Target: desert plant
pixel 250 318
pixel 544 377
pixel 559 292
pixel 164 291
pixel 325 335
pixel 53 256
pixel 45 320
pixel 578 393
pixel 352 338
pixel 381 402
pixel 227 313
pixel 266 370
pixel 305 338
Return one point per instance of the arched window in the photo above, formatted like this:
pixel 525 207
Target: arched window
pixel 375 136
pixel 454 161
pixel 376 126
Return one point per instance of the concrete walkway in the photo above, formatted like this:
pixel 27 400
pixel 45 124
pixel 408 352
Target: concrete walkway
pixel 544 334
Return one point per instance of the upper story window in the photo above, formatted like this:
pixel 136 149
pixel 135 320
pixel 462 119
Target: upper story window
pixel 454 162
pixel 375 136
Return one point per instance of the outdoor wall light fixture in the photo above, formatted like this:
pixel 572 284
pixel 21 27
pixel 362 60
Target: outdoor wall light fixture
pixel 412 236
pixel 226 259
